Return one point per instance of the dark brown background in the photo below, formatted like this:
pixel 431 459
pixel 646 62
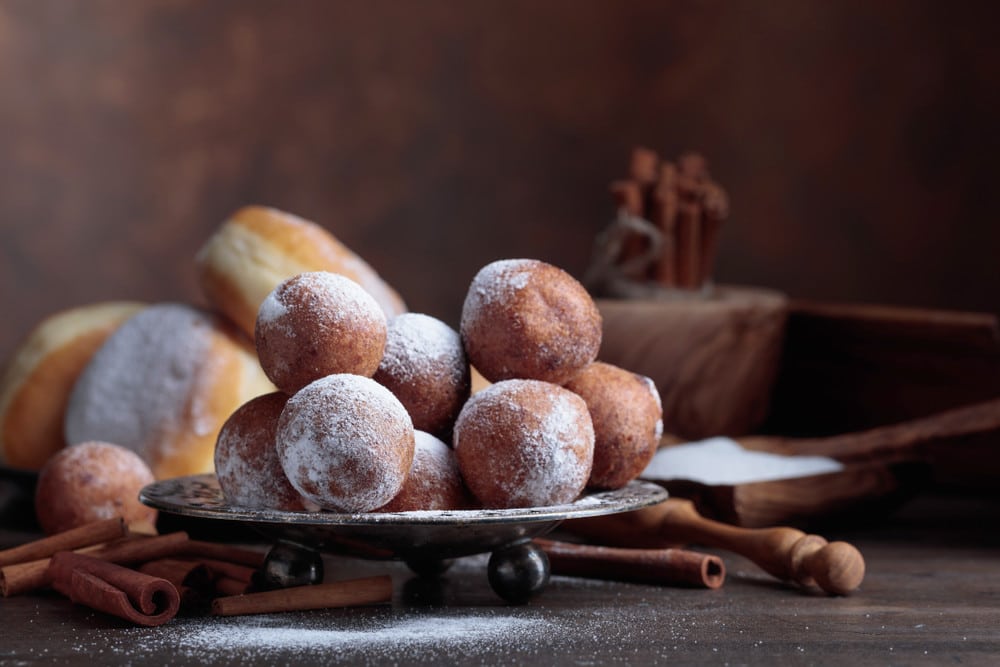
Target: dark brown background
pixel 857 139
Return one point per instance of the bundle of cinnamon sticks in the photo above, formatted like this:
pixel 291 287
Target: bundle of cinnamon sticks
pixel 684 209
pixel 146 579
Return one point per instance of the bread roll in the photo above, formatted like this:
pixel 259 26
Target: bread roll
pixel 36 384
pixel 258 248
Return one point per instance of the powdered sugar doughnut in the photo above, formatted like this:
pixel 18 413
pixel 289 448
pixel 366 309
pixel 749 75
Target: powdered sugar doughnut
pixel 317 324
pixel 162 385
pixel 246 457
pixel 424 365
pixel 523 318
pixel 434 482
pixel 345 443
pixel 524 443
pixel 628 422
pixel 89 482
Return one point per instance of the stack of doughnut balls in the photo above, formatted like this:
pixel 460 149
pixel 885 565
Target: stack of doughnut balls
pixel 308 386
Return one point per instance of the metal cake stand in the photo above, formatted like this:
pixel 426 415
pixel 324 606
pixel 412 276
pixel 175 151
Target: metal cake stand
pixel 425 540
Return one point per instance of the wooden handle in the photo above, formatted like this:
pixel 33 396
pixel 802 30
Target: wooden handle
pixel 786 553
pixel 671 567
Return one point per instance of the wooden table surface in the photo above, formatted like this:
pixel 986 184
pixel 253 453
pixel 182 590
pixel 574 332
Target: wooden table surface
pixel 931 596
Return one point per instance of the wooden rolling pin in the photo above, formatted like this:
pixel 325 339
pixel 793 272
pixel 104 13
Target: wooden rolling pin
pixel 669 567
pixel 786 553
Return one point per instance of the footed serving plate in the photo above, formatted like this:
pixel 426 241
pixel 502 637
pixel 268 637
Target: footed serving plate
pixel 425 540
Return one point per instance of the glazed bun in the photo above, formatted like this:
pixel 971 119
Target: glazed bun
pixel 523 318
pixel 162 385
pixel 257 248
pixel 89 482
pixel 524 443
pixel 36 384
pixel 628 422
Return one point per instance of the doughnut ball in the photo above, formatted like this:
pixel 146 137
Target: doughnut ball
pixel 524 443
pixel 246 457
pixel 523 318
pixel 346 443
pixel 162 385
pixel 258 247
pixel 36 384
pixel 434 482
pixel 89 482
pixel 316 324
pixel 425 367
pixel 628 422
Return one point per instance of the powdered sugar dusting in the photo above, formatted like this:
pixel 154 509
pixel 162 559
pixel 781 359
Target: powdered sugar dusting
pixel 343 442
pixel 417 345
pixel 547 434
pixel 651 386
pixel 497 282
pixel 136 388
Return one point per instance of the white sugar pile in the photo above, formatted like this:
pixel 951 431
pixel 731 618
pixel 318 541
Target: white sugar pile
pixel 723 461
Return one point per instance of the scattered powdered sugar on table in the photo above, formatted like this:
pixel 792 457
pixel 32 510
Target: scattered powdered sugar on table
pixel 723 461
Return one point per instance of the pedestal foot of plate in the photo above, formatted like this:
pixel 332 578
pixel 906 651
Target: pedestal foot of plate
pixel 518 571
pixel 289 564
pixel 428 567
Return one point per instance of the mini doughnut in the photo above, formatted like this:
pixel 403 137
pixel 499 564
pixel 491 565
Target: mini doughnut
pixel 523 318
pixel 246 457
pixel 162 385
pixel 434 482
pixel 317 324
pixel 89 482
pixel 628 422
pixel 36 385
pixel 524 443
pixel 424 365
pixel 346 443
pixel 257 248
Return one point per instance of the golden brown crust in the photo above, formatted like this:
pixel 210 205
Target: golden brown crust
pixel 627 416
pixel 259 247
pixel 89 482
pixel 37 383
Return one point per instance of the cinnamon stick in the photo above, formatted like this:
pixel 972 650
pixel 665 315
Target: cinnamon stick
pixel 628 196
pixel 228 586
pixel 643 165
pixel 664 216
pixel 225 552
pixel 24 577
pixel 113 589
pixel 688 244
pixel 671 567
pixel 181 573
pixel 369 590
pixel 82 536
